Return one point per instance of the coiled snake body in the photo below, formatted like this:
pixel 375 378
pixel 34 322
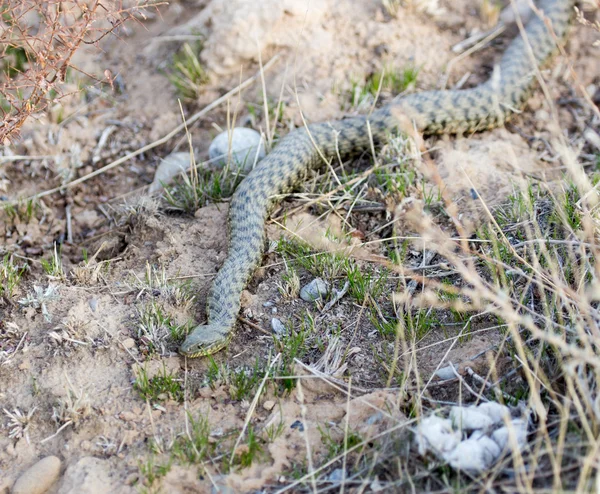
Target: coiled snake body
pixel 433 112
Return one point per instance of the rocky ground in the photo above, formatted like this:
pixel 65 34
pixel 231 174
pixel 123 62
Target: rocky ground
pixel 113 277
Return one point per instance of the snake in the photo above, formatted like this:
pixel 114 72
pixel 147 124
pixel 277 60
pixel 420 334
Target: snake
pixel 455 111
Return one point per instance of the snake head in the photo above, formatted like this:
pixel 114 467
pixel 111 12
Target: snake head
pixel 204 340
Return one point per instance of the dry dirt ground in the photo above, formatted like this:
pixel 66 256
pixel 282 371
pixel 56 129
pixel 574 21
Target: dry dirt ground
pixel 72 361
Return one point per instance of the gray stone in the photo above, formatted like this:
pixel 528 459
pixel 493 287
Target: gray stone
pixel 336 476
pixel 278 327
pixel 317 289
pixel 169 167
pixel 245 144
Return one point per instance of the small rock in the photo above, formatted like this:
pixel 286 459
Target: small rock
pixel 470 418
pixel 317 289
pixel 268 405
pixel 474 455
pixel 374 419
pixel 268 304
pixel 245 144
pixel 169 167
pixel 127 416
pixel 376 486
pixel 38 478
pixel 436 433
pixel 128 343
pixel 592 137
pixel 495 411
pixel 336 476
pixel 446 373
pixel 517 430
pixel 297 425
pixel 278 327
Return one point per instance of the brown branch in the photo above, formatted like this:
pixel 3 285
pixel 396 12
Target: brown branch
pixel 49 48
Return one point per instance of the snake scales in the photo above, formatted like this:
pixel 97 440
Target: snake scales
pixel 433 112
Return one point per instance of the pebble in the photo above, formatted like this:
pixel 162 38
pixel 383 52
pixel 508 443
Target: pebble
pixel 336 476
pixel 297 425
pixel 278 327
pixel 470 418
pixel 268 405
pixel 169 167
pixel 244 144
pixel 592 137
pixel 374 419
pixel 128 416
pixel 446 373
pixel 516 430
pixel 315 290
pixel 128 343
pixel 38 478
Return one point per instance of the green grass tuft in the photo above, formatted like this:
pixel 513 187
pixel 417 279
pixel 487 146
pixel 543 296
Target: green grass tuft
pixel 161 387
pixel 10 275
pixel 196 447
pixel 187 73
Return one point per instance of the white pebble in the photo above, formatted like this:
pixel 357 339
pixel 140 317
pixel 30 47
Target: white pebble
pixel 315 290
pixel 592 137
pixel 169 167
pixel 38 478
pixel 495 411
pixel 517 429
pixel 474 455
pixel 469 418
pixel 435 433
pixel 246 145
pixel 446 373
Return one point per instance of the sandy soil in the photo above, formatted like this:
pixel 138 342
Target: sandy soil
pixel 88 344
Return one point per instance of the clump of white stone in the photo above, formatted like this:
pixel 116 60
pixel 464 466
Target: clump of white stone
pixel 472 438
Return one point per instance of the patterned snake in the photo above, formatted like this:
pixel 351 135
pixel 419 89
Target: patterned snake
pixel 433 112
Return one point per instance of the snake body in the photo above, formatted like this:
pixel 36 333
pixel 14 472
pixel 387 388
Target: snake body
pixel 488 105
